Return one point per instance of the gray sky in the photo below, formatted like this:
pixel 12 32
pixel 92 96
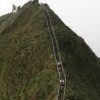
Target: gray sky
pixel 82 16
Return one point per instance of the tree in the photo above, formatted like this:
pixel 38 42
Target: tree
pixel 13 7
pixel 19 8
pixel 35 1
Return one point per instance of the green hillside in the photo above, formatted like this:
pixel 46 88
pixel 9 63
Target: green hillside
pixel 4 21
pixel 27 65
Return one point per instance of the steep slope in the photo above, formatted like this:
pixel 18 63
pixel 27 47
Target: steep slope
pixel 3 21
pixel 81 64
pixel 99 62
pixel 27 65
pixel 7 21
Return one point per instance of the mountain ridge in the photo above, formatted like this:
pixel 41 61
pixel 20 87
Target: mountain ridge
pixel 27 67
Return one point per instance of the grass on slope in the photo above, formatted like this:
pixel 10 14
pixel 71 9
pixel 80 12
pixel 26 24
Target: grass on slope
pixel 27 66
pixel 80 63
pixel 3 21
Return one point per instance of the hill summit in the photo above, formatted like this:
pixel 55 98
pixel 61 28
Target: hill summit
pixel 28 70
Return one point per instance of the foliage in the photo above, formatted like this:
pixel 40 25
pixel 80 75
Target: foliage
pixel 35 1
pixel 81 64
pixel 27 66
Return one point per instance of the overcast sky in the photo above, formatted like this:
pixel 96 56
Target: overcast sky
pixel 82 16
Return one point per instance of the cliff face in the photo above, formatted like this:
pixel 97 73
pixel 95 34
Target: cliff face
pixel 27 65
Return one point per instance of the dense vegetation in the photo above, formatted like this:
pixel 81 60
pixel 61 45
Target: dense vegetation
pixel 27 65
pixel 81 64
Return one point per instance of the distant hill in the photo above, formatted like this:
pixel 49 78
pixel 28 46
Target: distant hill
pixel 27 65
